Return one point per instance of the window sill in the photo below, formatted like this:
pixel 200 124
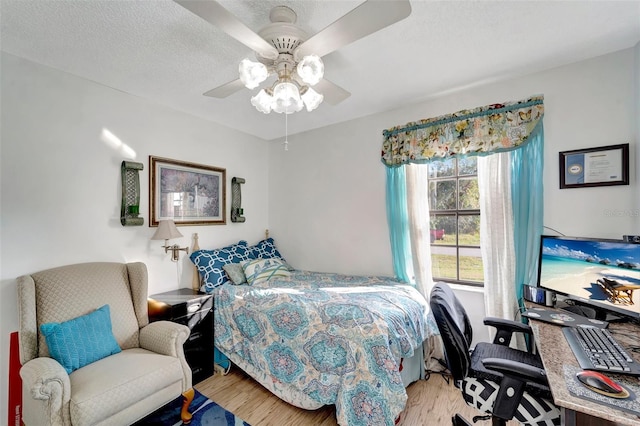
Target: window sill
pixel 467 288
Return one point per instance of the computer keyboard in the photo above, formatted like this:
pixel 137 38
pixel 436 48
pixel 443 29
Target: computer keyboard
pixel 596 349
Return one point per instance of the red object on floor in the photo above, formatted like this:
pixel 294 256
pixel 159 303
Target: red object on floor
pixel 15 383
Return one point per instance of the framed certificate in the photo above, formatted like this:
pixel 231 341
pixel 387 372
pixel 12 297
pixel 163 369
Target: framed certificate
pixel 603 166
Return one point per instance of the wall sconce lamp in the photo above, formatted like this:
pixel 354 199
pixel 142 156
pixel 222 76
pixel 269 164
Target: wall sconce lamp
pixel 166 230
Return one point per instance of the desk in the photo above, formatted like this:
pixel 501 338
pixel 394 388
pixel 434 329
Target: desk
pixel 555 352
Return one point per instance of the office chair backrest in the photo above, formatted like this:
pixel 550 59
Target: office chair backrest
pixel 455 329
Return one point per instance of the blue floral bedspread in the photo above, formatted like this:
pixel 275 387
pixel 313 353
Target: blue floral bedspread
pixel 331 338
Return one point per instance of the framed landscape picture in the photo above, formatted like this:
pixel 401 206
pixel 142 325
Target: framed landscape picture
pixel 187 193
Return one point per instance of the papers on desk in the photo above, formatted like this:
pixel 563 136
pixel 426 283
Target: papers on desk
pixel 562 318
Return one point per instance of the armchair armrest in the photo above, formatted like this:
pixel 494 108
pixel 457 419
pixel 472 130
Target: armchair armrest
pixel 505 329
pixel 48 385
pixel 164 337
pixel 167 338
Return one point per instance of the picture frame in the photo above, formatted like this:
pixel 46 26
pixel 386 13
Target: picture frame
pixel 602 166
pixel 188 193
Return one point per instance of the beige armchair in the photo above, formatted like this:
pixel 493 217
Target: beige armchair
pixel 120 389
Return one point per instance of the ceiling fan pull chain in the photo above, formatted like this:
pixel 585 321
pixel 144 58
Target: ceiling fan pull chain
pixel 286 132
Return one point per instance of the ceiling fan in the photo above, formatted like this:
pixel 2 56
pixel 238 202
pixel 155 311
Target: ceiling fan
pixel 285 50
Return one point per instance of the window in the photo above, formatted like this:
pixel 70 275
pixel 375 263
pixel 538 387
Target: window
pixel 455 221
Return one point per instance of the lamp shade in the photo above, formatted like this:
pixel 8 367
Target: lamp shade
pixel 262 101
pixel 252 73
pixel 311 69
pixel 312 99
pixel 166 230
pixel 286 98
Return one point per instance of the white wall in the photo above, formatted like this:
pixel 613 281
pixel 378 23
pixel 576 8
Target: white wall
pixel 327 193
pixel 636 115
pixel 61 183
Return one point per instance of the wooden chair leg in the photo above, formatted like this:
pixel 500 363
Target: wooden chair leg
pixel 187 396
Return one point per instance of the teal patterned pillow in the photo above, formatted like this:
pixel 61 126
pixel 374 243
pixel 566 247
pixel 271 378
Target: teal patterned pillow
pixel 265 249
pixel 235 273
pixel 82 340
pixel 257 270
pixel 210 263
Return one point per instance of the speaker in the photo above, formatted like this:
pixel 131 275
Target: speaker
pixel 634 239
pixel 539 295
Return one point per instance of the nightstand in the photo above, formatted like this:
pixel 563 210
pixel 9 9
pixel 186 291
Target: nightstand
pixel 195 310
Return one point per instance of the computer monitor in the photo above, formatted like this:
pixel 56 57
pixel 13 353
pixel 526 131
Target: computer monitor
pixel 602 274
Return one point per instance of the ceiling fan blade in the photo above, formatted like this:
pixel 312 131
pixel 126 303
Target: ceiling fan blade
pixel 213 12
pixel 332 93
pixel 369 17
pixel 226 89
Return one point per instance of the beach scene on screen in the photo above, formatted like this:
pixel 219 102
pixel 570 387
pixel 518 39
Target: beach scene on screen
pixel 607 272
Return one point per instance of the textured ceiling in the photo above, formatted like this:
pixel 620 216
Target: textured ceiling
pixel 158 50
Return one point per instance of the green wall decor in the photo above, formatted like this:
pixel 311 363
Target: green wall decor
pixel 236 200
pixel 130 194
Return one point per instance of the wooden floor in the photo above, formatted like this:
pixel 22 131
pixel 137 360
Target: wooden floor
pixel 431 402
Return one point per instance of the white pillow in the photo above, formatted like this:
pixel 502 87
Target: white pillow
pixel 257 270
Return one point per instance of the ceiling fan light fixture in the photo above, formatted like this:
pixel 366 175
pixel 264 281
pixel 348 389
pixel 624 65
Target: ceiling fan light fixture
pixel 262 101
pixel 252 73
pixel 311 69
pixel 286 98
pixel 312 99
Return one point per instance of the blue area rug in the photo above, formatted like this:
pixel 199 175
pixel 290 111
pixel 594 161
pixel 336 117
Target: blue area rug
pixel 205 413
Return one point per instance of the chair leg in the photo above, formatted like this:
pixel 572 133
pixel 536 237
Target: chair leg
pixel 496 421
pixel 458 420
pixel 187 396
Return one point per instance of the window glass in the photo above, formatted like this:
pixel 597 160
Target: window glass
pixel 467 166
pixel 442 194
pixel 442 168
pixel 454 204
pixel 468 195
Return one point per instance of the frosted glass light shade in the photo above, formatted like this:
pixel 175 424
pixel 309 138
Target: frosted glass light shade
pixel 262 101
pixel 311 69
pixel 312 99
pixel 252 73
pixel 286 98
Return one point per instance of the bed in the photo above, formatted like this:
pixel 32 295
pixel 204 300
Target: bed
pixel 315 339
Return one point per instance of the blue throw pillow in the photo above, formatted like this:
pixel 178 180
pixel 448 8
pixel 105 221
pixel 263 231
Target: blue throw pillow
pixel 82 340
pixel 265 249
pixel 210 263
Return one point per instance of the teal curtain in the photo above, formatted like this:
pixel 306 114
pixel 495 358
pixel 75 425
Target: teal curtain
pixel 398 221
pixel 528 206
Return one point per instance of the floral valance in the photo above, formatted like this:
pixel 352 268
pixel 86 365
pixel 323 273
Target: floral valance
pixel 492 128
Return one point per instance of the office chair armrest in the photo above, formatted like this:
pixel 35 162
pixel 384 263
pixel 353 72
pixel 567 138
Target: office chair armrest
pixel 515 376
pixel 517 370
pixel 505 329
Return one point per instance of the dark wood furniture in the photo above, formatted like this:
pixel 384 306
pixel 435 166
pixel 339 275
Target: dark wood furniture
pixel 195 310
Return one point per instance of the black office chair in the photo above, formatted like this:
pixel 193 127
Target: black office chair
pixel 496 379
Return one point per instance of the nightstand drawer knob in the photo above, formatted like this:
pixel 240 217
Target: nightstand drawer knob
pixel 193 308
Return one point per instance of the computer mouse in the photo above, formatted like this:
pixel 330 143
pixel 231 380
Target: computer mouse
pixel 601 384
